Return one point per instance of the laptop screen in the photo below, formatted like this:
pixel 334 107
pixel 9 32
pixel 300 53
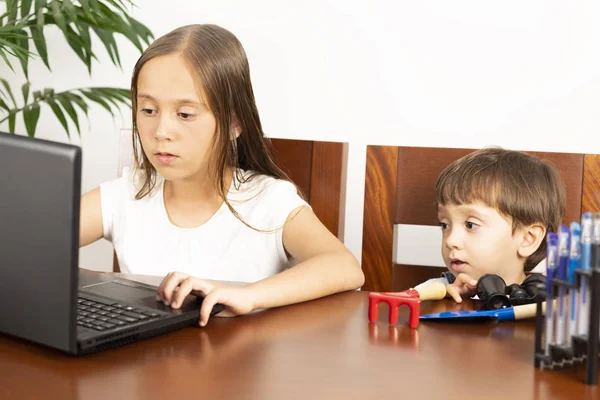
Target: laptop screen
pixel 40 188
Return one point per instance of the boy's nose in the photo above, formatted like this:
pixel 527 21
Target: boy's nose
pixel 453 240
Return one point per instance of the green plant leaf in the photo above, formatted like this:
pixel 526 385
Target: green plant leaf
pixel 40 5
pixel 77 99
pixel 48 92
pixel 79 46
pixel 110 44
pixel 90 94
pixel 110 100
pixel 101 23
pixel 121 6
pixel 6 60
pixel 41 18
pixel 3 15
pixel 94 6
pixel 70 10
pixel 12 7
pixel 66 104
pixel 9 30
pixel 85 5
pixel 31 115
pixel 11 43
pixel 84 34
pixel 40 44
pixel 125 94
pixel 116 96
pixel 59 18
pixel 132 35
pixel 12 119
pixel 121 26
pixel 9 90
pixel 3 105
pixel 23 42
pixel 25 7
pixel 59 114
pixel 145 33
pixel 25 91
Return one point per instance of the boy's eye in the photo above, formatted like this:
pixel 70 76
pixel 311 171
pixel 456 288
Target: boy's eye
pixel 471 225
pixel 444 225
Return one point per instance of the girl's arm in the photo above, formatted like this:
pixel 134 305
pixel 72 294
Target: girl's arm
pixel 90 218
pixel 325 266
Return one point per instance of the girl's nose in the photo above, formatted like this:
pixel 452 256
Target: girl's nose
pixel 163 130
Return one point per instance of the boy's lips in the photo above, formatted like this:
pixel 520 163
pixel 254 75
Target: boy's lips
pixel 457 265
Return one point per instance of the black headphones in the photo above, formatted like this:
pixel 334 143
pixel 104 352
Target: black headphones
pixel 492 290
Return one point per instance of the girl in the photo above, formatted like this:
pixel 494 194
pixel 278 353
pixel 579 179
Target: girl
pixel 205 197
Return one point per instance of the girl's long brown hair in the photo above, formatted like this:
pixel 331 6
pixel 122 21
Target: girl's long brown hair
pixel 218 63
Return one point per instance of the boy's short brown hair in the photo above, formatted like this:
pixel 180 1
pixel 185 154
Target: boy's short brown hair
pixel 518 185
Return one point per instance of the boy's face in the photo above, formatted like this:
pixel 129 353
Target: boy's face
pixel 477 240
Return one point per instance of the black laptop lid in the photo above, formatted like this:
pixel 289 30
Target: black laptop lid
pixel 40 185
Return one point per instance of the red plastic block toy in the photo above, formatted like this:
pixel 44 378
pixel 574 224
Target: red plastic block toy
pixel 410 297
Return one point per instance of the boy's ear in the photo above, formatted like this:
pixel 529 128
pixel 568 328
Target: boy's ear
pixel 532 237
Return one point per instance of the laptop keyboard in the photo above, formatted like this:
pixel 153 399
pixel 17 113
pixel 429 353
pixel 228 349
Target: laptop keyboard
pixel 103 317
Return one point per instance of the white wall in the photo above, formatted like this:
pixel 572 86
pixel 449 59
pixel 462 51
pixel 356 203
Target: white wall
pixel 519 74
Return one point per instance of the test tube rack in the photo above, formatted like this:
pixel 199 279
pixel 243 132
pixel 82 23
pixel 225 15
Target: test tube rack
pixel 582 348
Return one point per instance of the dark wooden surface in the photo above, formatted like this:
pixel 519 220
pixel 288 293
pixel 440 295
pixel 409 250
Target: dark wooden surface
pixel 327 187
pixel 591 183
pixel 570 167
pixel 316 168
pixel 324 349
pixel 294 157
pixel 418 170
pixel 409 276
pixel 378 222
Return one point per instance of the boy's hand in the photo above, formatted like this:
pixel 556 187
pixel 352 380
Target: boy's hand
pixel 463 285
pixel 176 286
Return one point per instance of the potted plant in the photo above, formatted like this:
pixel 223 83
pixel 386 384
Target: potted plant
pixel 22 39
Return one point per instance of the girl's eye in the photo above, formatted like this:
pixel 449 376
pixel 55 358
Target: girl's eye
pixel 471 225
pixel 185 115
pixel 444 225
pixel 148 111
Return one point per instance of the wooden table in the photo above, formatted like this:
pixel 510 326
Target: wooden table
pixel 324 349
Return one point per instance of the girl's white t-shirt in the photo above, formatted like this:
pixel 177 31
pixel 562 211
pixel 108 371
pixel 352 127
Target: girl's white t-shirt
pixel 223 248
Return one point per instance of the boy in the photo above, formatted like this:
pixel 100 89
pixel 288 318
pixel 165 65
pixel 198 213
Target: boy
pixel 495 207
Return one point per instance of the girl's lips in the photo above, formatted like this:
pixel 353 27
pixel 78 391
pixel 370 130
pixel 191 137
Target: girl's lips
pixel 166 158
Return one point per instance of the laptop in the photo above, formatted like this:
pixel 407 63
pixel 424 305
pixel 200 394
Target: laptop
pixel 40 297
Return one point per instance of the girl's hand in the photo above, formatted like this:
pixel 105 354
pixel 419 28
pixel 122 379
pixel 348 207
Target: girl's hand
pixel 176 286
pixel 463 285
